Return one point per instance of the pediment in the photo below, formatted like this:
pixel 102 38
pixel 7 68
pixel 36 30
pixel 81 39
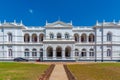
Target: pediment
pixel 58 24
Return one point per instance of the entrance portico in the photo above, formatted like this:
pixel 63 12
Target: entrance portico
pixel 58 53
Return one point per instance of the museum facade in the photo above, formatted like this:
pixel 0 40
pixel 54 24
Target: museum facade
pixel 60 41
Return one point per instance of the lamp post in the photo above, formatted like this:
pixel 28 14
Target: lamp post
pixel 102 42
pixel 3 41
pixel 95 45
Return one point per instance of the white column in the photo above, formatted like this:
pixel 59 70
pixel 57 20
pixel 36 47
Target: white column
pixel 38 39
pixel 30 38
pixel 72 54
pixel 63 54
pixel 87 39
pixel 44 54
pixel 30 54
pixel 79 38
pixel 54 54
pixel 87 54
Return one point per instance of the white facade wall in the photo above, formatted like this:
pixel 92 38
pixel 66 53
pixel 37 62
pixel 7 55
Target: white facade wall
pixel 60 49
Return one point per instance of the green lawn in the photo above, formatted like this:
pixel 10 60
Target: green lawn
pixel 97 71
pixel 21 71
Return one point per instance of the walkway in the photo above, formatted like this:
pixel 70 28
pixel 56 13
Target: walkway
pixel 58 73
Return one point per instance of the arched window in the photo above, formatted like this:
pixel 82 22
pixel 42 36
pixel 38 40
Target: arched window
pixel 76 52
pixel 109 36
pixel 83 38
pixel 59 36
pixel 91 38
pixel 83 53
pixel 26 54
pixel 41 36
pixel 49 51
pixel 10 54
pixel 34 38
pixel 109 53
pixel 34 52
pixel 91 52
pixel 26 38
pixel 51 35
pixel 10 37
pixel 66 36
pixel 76 37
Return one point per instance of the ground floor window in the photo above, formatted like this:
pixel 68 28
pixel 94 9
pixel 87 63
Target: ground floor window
pixel 83 53
pixel 76 52
pixel 91 53
pixel 26 54
pixel 34 53
pixel 109 53
pixel 10 53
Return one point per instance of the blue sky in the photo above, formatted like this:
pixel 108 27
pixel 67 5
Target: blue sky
pixel 81 12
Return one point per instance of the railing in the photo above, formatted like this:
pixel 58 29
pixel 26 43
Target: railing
pixel 47 73
pixel 59 38
pixel 69 73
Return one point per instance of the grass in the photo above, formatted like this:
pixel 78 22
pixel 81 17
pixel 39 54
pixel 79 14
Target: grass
pixel 97 71
pixel 21 71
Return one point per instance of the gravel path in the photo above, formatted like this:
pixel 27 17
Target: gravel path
pixel 58 73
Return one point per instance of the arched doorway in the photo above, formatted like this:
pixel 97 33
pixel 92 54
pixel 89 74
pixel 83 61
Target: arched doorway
pixel 67 51
pixel 58 51
pixel 49 51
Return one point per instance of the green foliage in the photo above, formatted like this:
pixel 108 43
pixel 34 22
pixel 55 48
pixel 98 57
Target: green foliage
pixel 21 71
pixel 97 71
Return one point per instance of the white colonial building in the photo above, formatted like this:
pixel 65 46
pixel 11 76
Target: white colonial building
pixel 60 41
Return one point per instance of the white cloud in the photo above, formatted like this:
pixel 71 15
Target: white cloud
pixel 30 11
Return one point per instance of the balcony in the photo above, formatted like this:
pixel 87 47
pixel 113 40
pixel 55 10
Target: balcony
pixel 59 40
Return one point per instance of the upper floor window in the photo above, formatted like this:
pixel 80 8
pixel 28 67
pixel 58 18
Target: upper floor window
pixel 10 37
pixel 26 38
pixel 109 36
pixel 83 38
pixel 41 37
pixel 91 38
pixel 66 36
pixel 34 37
pixel 51 36
pixel 59 36
pixel 76 37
